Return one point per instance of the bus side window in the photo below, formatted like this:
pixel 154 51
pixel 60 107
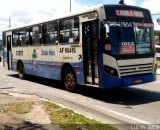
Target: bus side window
pixel 61 38
pixel 52 32
pixel 30 36
pixel 69 29
pixel 18 42
pixel 23 37
pixel 15 38
pixel 37 35
pixel 44 34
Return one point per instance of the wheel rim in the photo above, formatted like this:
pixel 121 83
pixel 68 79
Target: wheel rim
pixel 70 81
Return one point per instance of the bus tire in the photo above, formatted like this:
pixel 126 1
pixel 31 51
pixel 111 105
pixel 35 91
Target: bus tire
pixel 69 79
pixel 21 71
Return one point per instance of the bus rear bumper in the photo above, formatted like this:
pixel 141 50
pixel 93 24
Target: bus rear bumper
pixel 135 80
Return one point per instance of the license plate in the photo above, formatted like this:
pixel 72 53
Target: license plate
pixel 138 81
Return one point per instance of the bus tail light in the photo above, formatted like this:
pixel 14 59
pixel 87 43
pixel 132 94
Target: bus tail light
pixel 110 70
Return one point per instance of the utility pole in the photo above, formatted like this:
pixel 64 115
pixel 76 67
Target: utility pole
pixel 10 17
pixel 70 5
pixel 156 14
pixel 9 22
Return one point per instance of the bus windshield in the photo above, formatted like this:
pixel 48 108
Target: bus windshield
pixel 129 37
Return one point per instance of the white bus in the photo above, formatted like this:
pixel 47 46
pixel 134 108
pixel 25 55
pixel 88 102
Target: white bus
pixel 108 46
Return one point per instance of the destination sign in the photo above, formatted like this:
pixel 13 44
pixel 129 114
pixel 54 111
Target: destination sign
pixel 129 13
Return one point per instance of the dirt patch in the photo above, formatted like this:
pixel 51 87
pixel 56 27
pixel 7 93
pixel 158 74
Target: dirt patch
pixel 37 115
pixel 36 118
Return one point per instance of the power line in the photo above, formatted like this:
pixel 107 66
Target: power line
pixel 156 14
pixel 158 20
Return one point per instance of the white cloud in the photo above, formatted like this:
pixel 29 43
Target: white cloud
pixel 154 7
pixel 27 11
pixel 130 2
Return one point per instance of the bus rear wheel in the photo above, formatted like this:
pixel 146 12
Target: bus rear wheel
pixel 69 79
pixel 21 72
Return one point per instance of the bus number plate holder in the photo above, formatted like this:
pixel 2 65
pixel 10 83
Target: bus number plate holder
pixel 138 81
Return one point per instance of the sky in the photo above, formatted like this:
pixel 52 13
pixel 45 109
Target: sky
pixel 24 12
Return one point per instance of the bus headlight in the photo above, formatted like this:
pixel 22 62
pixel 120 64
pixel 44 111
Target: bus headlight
pixel 110 70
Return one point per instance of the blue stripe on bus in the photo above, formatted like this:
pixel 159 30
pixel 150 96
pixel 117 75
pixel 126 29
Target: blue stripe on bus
pixel 48 70
pixel 4 56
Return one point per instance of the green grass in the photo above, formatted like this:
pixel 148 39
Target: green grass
pixel 18 108
pixel 69 120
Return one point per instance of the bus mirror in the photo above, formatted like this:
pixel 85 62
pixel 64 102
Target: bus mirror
pixel 107 28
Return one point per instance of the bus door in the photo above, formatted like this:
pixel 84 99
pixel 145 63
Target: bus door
pixel 9 54
pixel 90 60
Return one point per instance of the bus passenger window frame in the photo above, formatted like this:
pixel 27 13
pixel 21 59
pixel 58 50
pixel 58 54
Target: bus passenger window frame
pixel 50 33
pixel 72 29
pixel 30 36
pixel 15 38
pixel 37 39
pixel 24 39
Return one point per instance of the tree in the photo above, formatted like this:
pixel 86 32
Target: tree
pixel 34 54
pixel 157 36
pixel 156 32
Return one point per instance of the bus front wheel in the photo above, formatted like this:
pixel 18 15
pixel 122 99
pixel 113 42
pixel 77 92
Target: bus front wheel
pixel 69 79
pixel 21 72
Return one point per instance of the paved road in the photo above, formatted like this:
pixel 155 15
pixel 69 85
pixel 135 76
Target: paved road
pixel 134 105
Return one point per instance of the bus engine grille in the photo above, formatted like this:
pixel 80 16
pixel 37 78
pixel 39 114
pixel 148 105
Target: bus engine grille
pixel 135 69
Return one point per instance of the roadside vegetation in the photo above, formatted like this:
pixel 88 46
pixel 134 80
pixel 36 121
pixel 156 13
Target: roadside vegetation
pixel 61 117
pixel 69 120
pixel 157 41
pixel 18 108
